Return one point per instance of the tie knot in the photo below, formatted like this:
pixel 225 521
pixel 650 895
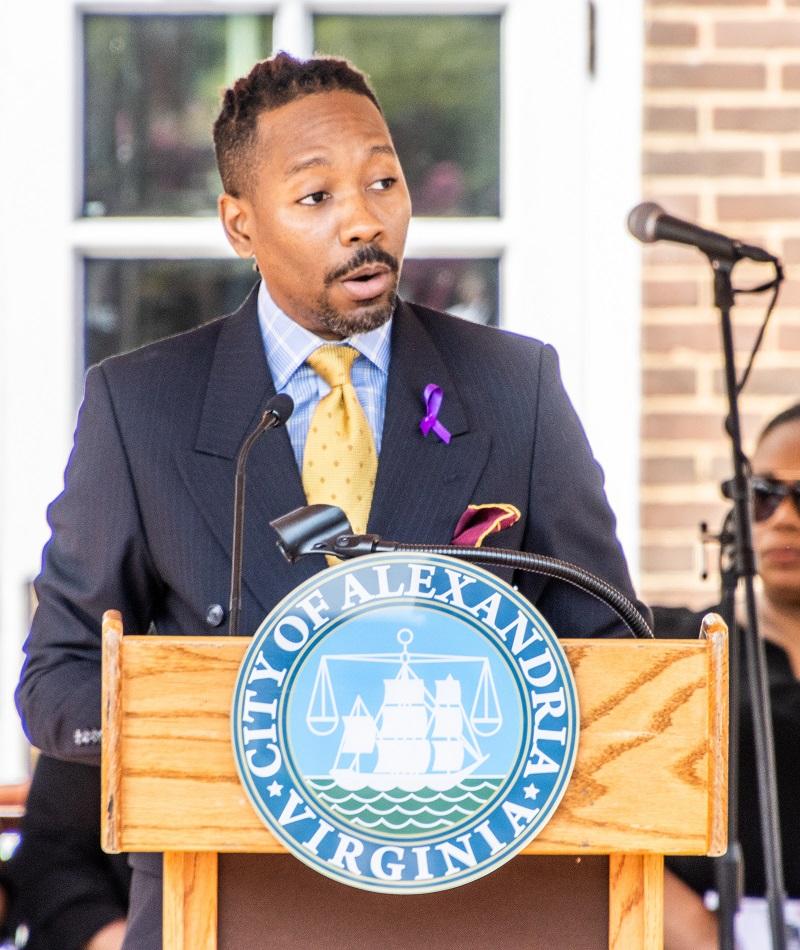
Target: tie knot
pixel 333 363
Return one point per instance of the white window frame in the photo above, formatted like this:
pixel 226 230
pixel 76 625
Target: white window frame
pixel 568 272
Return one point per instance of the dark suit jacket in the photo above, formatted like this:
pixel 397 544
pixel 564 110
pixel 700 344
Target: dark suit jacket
pixel 144 522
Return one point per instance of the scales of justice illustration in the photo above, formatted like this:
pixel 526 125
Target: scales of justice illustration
pixel 423 736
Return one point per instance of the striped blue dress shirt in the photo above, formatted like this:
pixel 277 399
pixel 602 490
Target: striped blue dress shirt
pixel 288 345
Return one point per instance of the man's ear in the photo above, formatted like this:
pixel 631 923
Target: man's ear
pixel 237 222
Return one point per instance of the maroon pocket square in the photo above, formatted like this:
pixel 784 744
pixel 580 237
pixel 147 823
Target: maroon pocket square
pixel 479 521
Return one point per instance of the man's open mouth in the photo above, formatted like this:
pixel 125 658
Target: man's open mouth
pixel 367 272
pixel 368 282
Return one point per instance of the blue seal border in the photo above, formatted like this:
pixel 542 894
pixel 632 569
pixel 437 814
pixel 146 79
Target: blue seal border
pixel 468 873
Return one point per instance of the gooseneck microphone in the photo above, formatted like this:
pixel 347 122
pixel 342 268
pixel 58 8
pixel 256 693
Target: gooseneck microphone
pixel 276 413
pixel 649 222
pixel 324 529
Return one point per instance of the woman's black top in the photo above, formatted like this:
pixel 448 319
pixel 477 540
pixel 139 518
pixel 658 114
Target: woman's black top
pixel 784 691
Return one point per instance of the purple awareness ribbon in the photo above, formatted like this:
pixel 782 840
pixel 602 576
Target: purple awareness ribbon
pixel 433 396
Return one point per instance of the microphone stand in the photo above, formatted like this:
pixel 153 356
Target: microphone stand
pixel 277 411
pixel 744 568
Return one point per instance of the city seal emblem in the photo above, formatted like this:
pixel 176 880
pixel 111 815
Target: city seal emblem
pixel 404 724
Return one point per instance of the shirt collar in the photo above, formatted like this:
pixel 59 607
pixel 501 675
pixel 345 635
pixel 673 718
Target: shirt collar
pixel 288 345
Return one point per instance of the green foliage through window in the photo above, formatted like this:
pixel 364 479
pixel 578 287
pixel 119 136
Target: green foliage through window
pixel 438 80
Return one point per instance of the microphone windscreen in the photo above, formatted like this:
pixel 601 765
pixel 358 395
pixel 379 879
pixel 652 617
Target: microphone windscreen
pixel 642 221
pixel 280 407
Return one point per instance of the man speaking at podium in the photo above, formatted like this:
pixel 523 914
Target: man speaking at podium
pixel 315 194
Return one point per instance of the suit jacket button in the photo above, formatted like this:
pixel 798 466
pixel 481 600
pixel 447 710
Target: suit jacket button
pixel 215 615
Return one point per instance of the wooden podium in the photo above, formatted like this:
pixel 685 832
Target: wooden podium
pixel 650 777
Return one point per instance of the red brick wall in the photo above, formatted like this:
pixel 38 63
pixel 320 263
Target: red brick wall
pixel 722 147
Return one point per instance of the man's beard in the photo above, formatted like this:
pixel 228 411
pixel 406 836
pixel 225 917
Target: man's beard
pixel 362 321
pixel 365 318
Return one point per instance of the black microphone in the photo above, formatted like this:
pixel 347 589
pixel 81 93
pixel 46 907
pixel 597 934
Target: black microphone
pixel 649 222
pixel 276 413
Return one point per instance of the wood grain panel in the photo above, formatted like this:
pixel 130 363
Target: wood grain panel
pixel 111 722
pixel 636 902
pixel 646 778
pixel 190 901
pixel 715 631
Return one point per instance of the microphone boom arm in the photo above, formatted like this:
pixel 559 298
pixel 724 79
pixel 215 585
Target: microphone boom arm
pixel 324 529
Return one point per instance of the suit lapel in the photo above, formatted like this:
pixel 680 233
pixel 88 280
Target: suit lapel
pixel 239 386
pixel 423 485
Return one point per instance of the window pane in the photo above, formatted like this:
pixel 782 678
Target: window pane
pixel 129 303
pixel 467 288
pixel 152 89
pixel 438 80
pixel 133 302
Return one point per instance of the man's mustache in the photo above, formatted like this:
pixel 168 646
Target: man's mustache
pixel 368 254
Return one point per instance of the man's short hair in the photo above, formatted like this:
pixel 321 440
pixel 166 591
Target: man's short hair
pixel 270 84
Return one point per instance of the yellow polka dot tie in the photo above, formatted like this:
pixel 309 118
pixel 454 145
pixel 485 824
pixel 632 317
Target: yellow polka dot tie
pixel 339 460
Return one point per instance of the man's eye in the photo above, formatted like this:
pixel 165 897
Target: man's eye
pixel 383 184
pixel 315 198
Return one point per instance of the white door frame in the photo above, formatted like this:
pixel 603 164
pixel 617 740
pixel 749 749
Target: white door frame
pixel 569 273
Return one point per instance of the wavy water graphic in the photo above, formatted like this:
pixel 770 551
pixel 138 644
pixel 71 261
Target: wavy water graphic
pixel 399 812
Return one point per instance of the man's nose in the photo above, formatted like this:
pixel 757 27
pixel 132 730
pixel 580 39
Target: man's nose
pixel 359 224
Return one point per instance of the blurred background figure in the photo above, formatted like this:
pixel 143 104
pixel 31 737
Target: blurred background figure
pixel 442 190
pixel 776 539
pixel 63 891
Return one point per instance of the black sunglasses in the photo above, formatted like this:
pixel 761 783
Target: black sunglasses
pixel 768 493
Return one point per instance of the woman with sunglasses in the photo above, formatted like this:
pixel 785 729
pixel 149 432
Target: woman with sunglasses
pixel 775 487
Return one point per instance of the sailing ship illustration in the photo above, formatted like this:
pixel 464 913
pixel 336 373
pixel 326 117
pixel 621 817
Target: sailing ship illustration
pixel 418 738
